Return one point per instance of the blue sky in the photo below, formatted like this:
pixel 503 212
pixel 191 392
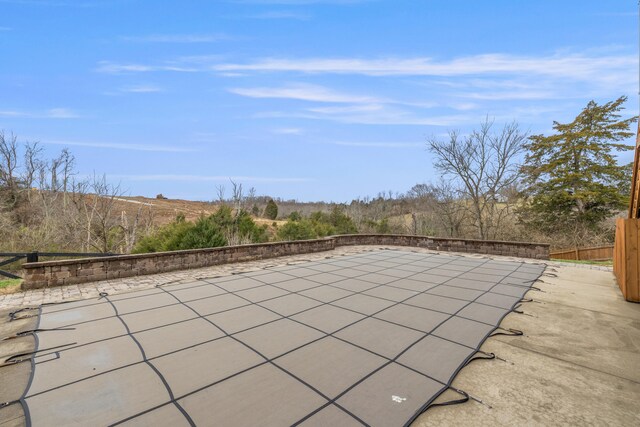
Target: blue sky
pixel 301 99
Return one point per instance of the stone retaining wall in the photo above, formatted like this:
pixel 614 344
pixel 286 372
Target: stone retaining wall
pixel 55 273
pixel 489 247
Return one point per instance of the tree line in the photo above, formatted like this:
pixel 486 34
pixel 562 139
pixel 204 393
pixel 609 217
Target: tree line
pixel 496 182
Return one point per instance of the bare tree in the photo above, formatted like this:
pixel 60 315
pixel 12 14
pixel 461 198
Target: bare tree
pixel 220 190
pixel 9 182
pixel 32 164
pixel 96 199
pixel 68 162
pixel 237 196
pixel 131 229
pixel 250 200
pixel 450 210
pixel 482 163
pixel 438 208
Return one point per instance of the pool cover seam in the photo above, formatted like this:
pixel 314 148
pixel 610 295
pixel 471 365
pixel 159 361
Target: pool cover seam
pixel 299 292
pixel 267 360
pixel 151 365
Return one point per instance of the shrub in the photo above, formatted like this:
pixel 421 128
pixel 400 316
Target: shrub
pixel 342 222
pixel 295 216
pixel 166 238
pixel 219 229
pixel 383 227
pixel 205 233
pixel 271 211
pixel 297 230
pixel 238 228
pixel 336 222
pixel 319 224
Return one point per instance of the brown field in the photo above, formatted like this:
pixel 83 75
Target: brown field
pixel 164 211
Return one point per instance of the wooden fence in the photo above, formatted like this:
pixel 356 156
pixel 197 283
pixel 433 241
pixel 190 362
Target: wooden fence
pixel 626 264
pixel 600 253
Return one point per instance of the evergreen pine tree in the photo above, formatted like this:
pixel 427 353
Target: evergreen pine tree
pixel 271 211
pixel 572 178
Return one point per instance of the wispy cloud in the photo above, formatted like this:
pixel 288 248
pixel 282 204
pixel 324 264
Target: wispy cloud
pixel 11 113
pixel 303 2
pixel 176 38
pixel 619 14
pixel 141 89
pixel 80 4
pixel 593 68
pixel 116 68
pixel 208 178
pixel 53 113
pixel 349 109
pixel 303 92
pixel 382 116
pixel 61 113
pixel 569 66
pixel 121 146
pixel 288 131
pixel 279 14
pixel 511 95
pixel 377 144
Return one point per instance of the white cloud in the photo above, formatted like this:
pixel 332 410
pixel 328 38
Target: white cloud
pixel 304 92
pixel 463 106
pixel 121 146
pixel 589 73
pixel 61 113
pixel 279 14
pixel 377 144
pixel 359 108
pixel 512 95
pixel 115 68
pixel 232 74
pixel 207 178
pixel 9 113
pixel 53 113
pixel 385 116
pixel 176 38
pixel 288 131
pixel 58 3
pixel 569 66
pixel 141 89
pixel 303 2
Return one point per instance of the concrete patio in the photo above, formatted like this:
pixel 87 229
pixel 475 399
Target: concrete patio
pixel 577 363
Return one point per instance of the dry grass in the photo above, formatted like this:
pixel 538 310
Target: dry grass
pixel 165 210
pixel 573 261
pixel 9 286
